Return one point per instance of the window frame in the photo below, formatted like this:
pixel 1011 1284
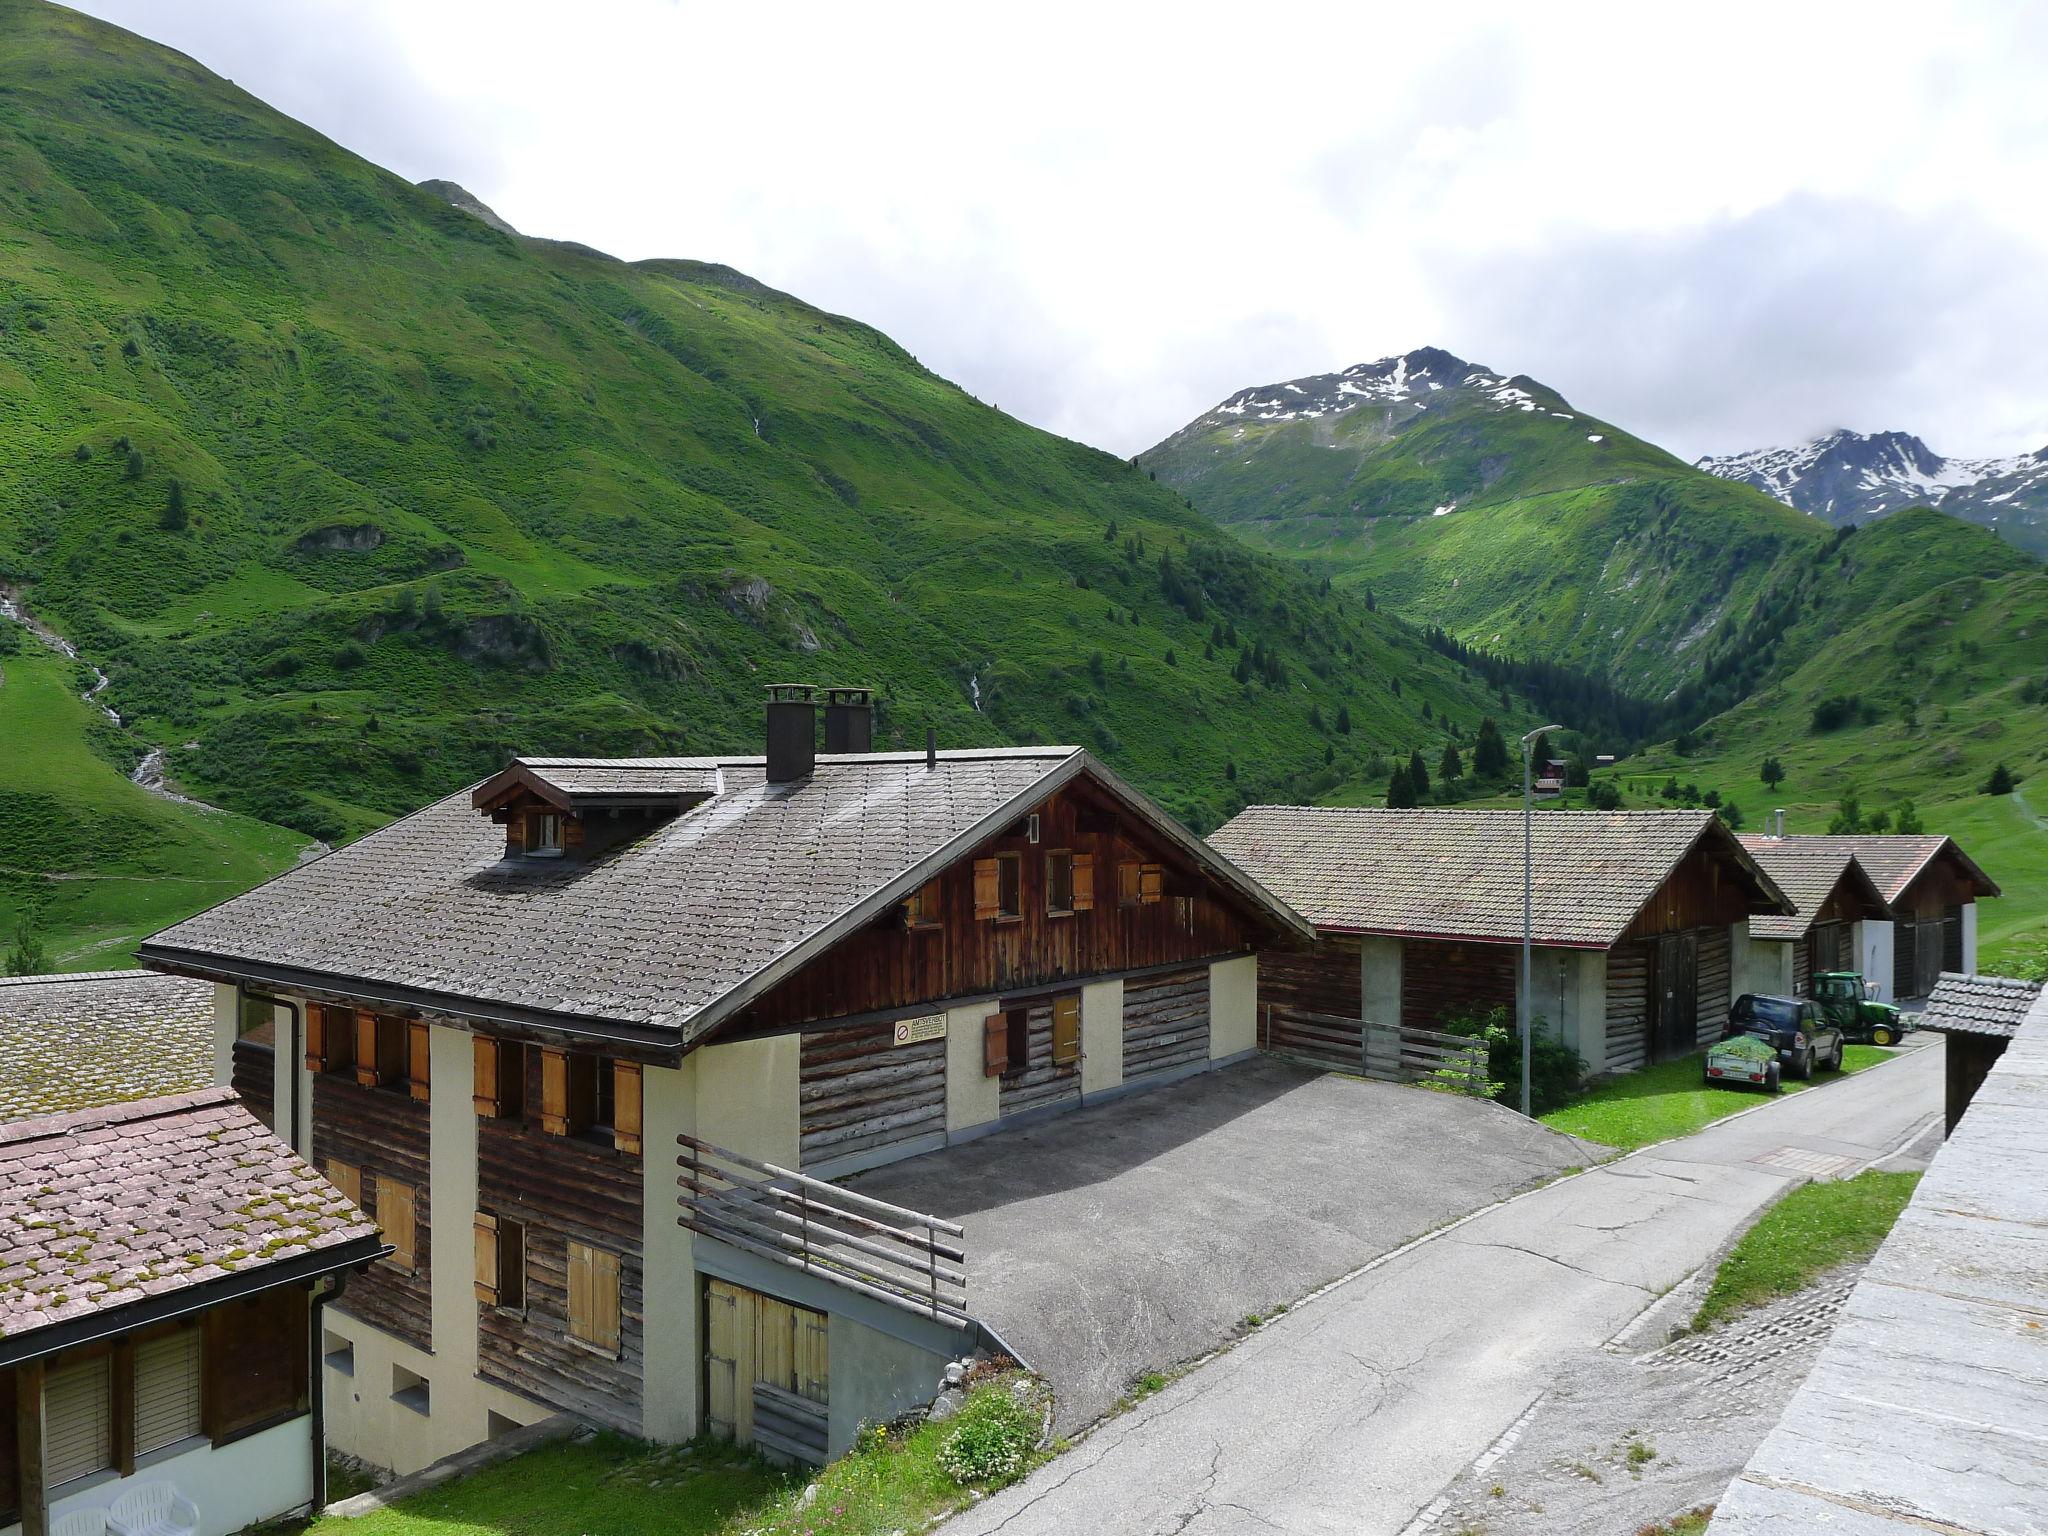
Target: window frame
pixel 1130 883
pixel 1017 1031
pixel 922 908
pixel 1061 859
pixel 537 846
pixel 1009 887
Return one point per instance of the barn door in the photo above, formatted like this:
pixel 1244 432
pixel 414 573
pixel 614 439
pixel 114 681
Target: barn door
pixel 754 1341
pixel 1952 939
pixel 729 1360
pixel 1905 949
pixel 1930 935
pixel 1678 963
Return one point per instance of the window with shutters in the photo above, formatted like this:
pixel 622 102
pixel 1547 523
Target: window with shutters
pixel 1066 1029
pixel 1017 1024
pixel 330 1038
pixel 391 1053
pixel 166 1389
pixel 498 1078
pixel 999 887
pixel 922 909
pixel 500 1262
pixel 594 1297
pixel 394 1214
pixel 78 1419
pixel 1059 883
pixel 588 1096
pixel 1128 883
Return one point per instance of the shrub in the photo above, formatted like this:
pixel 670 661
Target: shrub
pixel 1555 1070
pixel 82 453
pixel 1772 773
pixel 173 518
pixel 1906 819
pixel 134 469
pixel 2001 781
pixel 991 1438
pixel 1836 711
pixel 1604 796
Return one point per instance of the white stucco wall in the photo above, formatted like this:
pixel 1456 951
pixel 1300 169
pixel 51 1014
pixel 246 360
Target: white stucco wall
pixel 1584 1023
pixel 671 1349
pixel 972 1097
pixel 1233 1006
pixel 1767 968
pixel 1875 938
pixel 1102 1041
pixel 452 1195
pixel 259 1477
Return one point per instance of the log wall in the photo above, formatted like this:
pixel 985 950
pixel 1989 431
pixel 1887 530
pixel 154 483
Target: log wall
pixel 1166 1022
pixel 1325 979
pixel 861 1092
pixel 1716 975
pixel 1630 967
pixel 382 1131
pixel 1439 978
pixel 253 1076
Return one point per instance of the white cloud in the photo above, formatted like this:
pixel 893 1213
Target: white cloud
pixel 1720 227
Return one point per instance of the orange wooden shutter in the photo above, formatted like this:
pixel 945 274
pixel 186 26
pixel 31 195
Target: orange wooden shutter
pixel 626 1105
pixel 995 1045
pixel 1151 883
pixel 554 1091
pixel 366 1049
pixel 1127 884
pixel 594 1296
pixel 1084 882
pixel 487 1258
pixel 316 1038
pixel 347 1178
pixel 988 889
pixel 484 1093
pixel 1066 1029
pixel 419 1055
pixel 395 1214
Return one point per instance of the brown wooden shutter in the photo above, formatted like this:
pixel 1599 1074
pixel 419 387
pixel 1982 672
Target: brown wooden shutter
pixel 1151 883
pixel 626 1106
pixel 395 1214
pixel 594 1297
pixel 366 1049
pixel 487 1258
pixel 347 1178
pixel 419 1055
pixel 1066 1029
pixel 995 1045
pixel 1127 884
pixel 485 1095
pixel 554 1091
pixel 988 889
pixel 1084 882
pixel 316 1038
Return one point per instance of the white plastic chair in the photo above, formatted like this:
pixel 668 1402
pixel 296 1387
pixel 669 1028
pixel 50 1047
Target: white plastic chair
pixel 154 1509
pixel 81 1522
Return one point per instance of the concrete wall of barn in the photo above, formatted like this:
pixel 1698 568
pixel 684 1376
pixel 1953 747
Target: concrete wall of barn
pixel 1875 941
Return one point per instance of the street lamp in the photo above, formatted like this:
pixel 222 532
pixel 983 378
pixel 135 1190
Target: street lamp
pixel 1528 922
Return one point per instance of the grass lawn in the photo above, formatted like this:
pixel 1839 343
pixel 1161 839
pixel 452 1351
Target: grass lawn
pixel 611 1485
pixel 1812 1229
pixel 1670 1099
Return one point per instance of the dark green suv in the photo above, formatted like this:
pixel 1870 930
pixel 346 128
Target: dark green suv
pixel 1794 1027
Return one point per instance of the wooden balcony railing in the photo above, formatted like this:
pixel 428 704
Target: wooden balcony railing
pixel 902 1257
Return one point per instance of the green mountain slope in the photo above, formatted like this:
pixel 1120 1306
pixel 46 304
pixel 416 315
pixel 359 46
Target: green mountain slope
pixel 1487 505
pixel 352 493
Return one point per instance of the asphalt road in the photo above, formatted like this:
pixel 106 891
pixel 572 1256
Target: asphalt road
pixel 1350 1413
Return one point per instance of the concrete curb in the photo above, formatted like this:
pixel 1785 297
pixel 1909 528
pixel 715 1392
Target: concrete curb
pixel 485 1453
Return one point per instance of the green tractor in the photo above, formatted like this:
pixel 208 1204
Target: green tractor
pixel 1850 1003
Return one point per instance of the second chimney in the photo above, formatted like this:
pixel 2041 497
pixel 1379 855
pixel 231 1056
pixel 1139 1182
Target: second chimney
pixel 849 719
pixel 792 732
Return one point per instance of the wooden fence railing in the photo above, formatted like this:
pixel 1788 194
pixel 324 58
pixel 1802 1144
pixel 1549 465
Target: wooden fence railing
pixel 902 1257
pixel 1393 1053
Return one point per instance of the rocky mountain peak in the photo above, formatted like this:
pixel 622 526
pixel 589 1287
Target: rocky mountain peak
pixel 459 196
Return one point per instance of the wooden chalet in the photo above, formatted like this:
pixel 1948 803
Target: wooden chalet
pixel 1932 888
pixel 1640 922
pixel 1839 907
pixel 509 1023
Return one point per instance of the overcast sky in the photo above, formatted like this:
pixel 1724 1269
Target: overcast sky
pixel 1719 226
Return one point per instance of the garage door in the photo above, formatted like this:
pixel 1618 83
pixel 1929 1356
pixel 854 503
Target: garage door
pixel 767 1368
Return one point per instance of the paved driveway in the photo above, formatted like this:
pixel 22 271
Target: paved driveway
pixel 1141 1233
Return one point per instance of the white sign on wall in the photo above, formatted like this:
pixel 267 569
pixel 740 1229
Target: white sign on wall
pixel 911 1031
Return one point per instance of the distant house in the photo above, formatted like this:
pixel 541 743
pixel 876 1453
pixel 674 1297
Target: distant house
pixel 1980 1015
pixel 1837 901
pixel 164 1261
pixel 1640 921
pixel 1932 888
pixel 511 1022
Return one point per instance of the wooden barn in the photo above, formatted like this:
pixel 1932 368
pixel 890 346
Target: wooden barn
pixel 510 1023
pixel 1640 923
pixel 1838 906
pixel 1932 888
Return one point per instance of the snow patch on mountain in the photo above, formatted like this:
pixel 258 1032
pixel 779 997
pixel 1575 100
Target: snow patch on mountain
pixel 1403 382
pixel 1846 474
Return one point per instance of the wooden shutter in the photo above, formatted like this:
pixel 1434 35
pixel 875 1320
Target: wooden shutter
pixel 395 1215
pixel 419 1055
pixel 1084 882
pixel 1127 884
pixel 485 1096
pixel 554 1091
pixel 594 1297
pixel 78 1420
pixel 988 889
pixel 166 1389
pixel 316 1038
pixel 995 1045
pixel 366 1049
pixel 487 1258
pixel 1066 1029
pixel 347 1178
pixel 1151 883
pixel 626 1106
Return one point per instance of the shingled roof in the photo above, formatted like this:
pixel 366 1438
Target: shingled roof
pixel 1458 873
pixel 1894 860
pixel 1809 869
pixel 667 933
pixel 109 1209
pixel 99 1037
pixel 1979 1005
pixel 580 783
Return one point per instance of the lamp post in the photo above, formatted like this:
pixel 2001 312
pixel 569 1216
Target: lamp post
pixel 1528 922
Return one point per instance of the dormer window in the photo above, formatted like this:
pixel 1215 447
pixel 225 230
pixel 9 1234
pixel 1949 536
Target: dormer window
pixel 543 834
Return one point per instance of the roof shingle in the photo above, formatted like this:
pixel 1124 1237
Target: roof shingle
pixel 1893 860
pixel 99 1037
pixel 1807 869
pixel 1979 1005
pixel 1458 873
